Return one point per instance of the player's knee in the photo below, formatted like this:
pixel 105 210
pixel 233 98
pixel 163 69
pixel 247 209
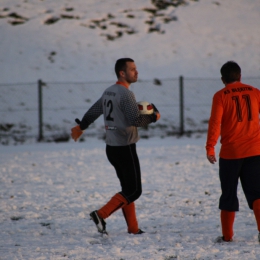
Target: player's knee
pixel 137 195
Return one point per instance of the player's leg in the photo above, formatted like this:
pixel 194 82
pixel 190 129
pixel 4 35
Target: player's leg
pixel 126 163
pixel 99 216
pixel 229 171
pixel 114 154
pixel 256 208
pixel 132 188
pixel 250 182
pixel 131 179
pixel 115 203
pixel 227 219
pixel 130 218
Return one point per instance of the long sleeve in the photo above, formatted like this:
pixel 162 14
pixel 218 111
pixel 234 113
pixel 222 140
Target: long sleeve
pixel 92 114
pixel 130 108
pixel 214 124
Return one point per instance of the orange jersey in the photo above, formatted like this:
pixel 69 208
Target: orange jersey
pixel 235 117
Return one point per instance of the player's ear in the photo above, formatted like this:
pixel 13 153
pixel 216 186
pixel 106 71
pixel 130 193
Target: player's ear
pixel 122 73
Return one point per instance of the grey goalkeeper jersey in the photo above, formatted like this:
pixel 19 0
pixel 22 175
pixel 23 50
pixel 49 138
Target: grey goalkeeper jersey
pixel 121 116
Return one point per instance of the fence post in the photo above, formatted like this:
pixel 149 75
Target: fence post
pixel 181 105
pixel 40 83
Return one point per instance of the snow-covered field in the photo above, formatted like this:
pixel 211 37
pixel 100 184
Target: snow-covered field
pixel 48 190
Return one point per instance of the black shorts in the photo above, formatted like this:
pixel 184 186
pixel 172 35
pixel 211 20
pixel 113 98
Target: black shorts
pixel 230 171
pixel 126 163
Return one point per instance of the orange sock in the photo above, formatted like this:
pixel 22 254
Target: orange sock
pixel 256 208
pixel 115 203
pixel 130 218
pixel 227 221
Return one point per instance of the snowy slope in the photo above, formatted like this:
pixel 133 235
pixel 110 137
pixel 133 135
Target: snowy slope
pixel 193 40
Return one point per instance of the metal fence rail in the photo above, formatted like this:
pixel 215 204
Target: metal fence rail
pixel 46 110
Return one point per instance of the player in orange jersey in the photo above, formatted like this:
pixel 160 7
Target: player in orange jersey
pixel 235 117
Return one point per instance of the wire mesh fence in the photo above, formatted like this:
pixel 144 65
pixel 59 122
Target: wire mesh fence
pixel 62 102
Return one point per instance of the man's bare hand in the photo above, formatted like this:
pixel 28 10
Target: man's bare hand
pixel 212 159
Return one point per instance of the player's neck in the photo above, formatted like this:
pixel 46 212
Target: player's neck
pixel 234 82
pixel 125 84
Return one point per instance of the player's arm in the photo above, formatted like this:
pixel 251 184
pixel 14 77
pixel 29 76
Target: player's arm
pixel 156 112
pixel 90 116
pixel 129 106
pixel 214 127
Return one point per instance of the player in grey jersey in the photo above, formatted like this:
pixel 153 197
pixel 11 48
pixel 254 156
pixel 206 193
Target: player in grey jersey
pixel 121 117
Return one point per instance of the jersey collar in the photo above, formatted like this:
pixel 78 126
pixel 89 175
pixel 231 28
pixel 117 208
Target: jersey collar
pixel 122 83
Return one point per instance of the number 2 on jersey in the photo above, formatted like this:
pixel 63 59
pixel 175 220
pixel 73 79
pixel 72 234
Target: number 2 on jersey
pixel 109 104
pixel 246 98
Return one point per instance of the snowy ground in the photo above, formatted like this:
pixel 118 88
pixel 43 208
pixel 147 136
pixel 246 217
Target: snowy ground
pixel 48 190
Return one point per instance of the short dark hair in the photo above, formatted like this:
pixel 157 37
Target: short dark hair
pixel 230 72
pixel 121 65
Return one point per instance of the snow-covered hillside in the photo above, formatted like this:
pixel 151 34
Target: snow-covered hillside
pixel 80 40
